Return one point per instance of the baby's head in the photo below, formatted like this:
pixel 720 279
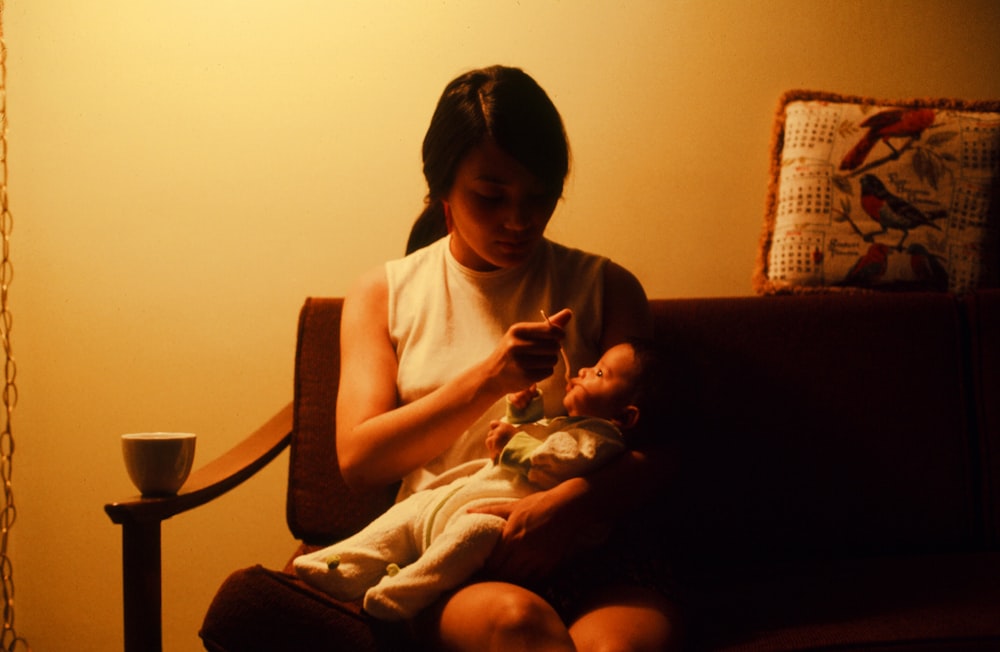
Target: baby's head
pixel 618 386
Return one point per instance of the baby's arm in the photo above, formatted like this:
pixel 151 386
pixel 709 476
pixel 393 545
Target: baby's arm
pixel 522 407
pixel 574 450
pixel 525 406
pixel 521 400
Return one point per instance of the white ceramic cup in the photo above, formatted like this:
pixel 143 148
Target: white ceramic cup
pixel 158 462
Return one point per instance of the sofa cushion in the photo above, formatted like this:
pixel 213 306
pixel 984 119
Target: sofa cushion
pixel 880 194
pixel 816 428
pixel 934 602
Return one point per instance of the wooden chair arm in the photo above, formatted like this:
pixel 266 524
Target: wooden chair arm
pixel 140 520
pixel 214 478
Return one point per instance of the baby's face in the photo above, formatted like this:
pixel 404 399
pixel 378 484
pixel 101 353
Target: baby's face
pixel 605 389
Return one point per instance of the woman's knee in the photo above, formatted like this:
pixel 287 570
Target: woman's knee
pixel 627 619
pixel 499 616
pixel 521 614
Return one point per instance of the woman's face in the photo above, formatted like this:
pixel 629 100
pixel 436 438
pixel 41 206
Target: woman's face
pixel 497 210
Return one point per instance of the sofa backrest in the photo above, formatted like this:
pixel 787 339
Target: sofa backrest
pixel 984 326
pixel 821 425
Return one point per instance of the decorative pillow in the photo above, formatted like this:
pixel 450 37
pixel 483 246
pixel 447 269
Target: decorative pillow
pixel 871 194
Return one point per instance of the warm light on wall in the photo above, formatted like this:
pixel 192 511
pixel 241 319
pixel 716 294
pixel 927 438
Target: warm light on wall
pixel 186 173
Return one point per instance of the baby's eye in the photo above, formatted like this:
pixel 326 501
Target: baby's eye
pixel 599 373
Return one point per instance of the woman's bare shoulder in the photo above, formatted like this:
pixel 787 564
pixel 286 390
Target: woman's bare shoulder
pixel 369 291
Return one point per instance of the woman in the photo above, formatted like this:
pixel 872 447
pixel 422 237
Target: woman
pixel 433 342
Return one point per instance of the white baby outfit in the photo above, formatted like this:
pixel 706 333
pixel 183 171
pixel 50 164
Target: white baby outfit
pixel 429 543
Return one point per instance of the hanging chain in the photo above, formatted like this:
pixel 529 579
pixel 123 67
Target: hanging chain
pixel 9 639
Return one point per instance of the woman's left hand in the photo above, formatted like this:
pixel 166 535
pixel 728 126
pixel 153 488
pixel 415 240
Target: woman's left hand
pixel 539 534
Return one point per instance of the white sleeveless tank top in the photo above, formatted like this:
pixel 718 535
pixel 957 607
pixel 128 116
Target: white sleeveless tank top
pixel 444 317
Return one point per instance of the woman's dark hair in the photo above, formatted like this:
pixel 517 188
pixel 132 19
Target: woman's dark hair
pixel 503 104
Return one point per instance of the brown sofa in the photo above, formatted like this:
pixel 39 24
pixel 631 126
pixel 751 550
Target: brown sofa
pixel 839 483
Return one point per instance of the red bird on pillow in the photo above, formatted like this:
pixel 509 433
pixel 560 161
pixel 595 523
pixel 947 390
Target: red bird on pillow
pixel 893 212
pixel 893 123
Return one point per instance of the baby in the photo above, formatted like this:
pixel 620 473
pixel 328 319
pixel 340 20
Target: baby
pixel 430 543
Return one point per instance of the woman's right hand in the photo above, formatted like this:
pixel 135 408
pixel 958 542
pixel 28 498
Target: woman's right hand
pixel 528 352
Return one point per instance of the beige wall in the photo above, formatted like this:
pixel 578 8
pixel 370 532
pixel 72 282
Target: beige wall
pixel 183 174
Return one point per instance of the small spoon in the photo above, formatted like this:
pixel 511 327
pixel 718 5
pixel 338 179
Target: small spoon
pixel 562 351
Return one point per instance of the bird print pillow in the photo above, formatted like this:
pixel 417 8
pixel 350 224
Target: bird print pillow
pixel 870 195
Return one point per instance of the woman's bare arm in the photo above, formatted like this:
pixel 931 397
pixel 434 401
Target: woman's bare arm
pixel 379 441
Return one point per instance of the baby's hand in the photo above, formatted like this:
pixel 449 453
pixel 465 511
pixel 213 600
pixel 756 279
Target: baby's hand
pixel 522 399
pixel 498 436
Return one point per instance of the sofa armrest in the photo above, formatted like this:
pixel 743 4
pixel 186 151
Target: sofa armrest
pixel 140 520
pixel 215 478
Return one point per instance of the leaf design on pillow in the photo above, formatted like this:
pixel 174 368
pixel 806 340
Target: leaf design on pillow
pixel 929 163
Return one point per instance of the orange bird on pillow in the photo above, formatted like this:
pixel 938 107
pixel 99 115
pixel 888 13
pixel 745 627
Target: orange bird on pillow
pixel 893 123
